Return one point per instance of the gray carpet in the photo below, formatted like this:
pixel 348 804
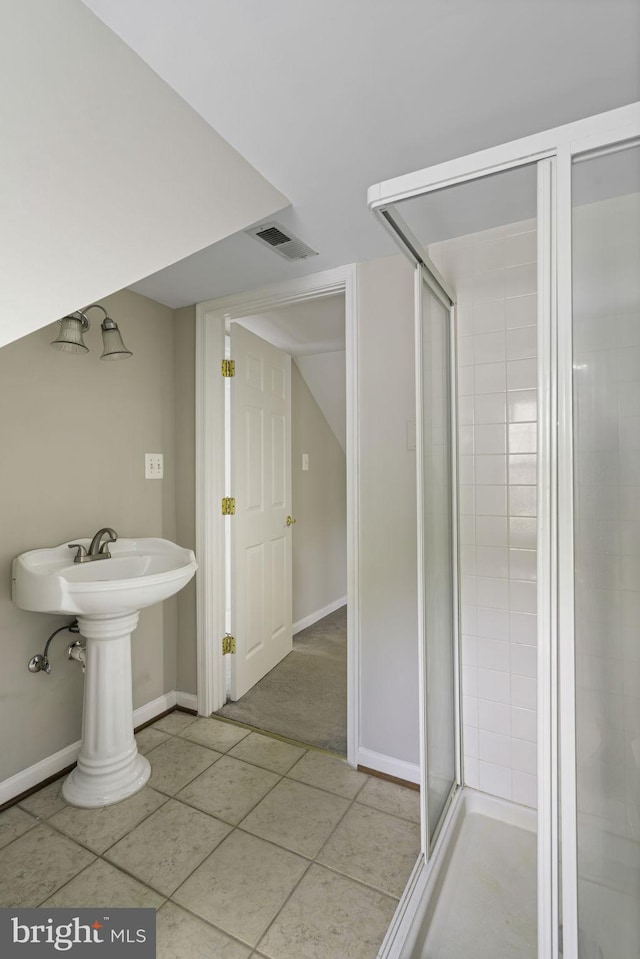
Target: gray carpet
pixel 305 696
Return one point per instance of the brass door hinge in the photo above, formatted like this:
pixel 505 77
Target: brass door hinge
pixel 228 644
pixel 228 505
pixel 228 367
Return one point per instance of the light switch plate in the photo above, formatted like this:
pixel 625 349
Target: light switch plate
pixel 153 465
pixel 305 461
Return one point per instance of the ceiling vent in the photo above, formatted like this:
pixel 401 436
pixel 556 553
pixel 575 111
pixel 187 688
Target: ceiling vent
pixel 281 241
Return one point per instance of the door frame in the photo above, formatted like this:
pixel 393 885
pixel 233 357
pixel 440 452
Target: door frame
pixel 211 319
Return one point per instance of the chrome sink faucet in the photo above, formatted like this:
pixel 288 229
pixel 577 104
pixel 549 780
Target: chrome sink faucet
pixel 97 549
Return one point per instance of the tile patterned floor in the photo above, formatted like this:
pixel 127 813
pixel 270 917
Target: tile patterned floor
pixel 247 846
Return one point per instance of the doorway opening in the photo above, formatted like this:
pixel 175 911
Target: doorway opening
pixel 286 585
pixel 213 319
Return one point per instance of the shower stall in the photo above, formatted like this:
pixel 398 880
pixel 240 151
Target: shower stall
pixel 527 306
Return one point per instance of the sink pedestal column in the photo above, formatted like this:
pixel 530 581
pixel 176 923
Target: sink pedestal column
pixel 109 766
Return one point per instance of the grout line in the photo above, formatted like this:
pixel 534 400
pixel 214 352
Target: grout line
pixel 256 765
pixel 290 742
pixel 294 851
pixel 310 861
pixel 234 828
pixel 266 732
pixel 308 748
pixel 113 866
pixel 110 846
pixel 58 888
pixel 28 813
pixel 218 749
pixel 228 836
pixel 324 789
pixel 38 822
pixel 333 831
pixel 284 904
pixel 163 743
pixel 330 836
pixel 360 882
pixel 208 922
pixel 235 825
pixel 314 861
pixel 145 882
pixel 385 812
pixel 142 882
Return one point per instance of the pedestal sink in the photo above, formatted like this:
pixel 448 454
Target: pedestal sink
pixel 106 598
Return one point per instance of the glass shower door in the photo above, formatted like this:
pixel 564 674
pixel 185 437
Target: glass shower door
pixel 436 552
pixel 606 470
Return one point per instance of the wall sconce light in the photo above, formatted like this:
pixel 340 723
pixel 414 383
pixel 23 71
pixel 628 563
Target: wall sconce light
pixel 72 330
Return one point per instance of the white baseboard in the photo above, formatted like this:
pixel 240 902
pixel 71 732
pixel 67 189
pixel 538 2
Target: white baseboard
pixel 399 768
pixel 187 700
pixel 318 615
pixel 36 774
pixel 150 710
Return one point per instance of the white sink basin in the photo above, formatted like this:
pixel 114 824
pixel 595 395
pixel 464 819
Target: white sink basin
pixel 106 596
pixel 140 572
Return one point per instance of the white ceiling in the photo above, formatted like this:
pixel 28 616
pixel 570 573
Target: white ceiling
pixel 302 329
pixel 327 98
pixel 91 188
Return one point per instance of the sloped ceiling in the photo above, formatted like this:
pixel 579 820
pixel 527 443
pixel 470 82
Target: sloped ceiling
pixel 325 375
pixel 313 332
pixel 106 174
pixel 326 98
pixel 314 326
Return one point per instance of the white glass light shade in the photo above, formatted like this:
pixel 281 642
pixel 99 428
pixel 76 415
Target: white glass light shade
pixel 113 344
pixel 69 336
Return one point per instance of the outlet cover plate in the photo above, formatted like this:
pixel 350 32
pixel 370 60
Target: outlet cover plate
pixel 153 465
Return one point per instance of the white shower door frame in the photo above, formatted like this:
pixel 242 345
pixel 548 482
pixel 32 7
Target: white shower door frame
pixel 598 139
pixel 553 151
pixel 426 276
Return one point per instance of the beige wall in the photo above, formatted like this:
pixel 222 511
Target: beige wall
pixel 388 572
pixel 73 435
pixel 319 506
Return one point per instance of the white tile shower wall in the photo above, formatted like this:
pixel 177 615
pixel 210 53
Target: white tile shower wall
pixel 494 276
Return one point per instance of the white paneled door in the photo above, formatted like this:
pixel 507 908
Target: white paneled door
pixel 261 539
